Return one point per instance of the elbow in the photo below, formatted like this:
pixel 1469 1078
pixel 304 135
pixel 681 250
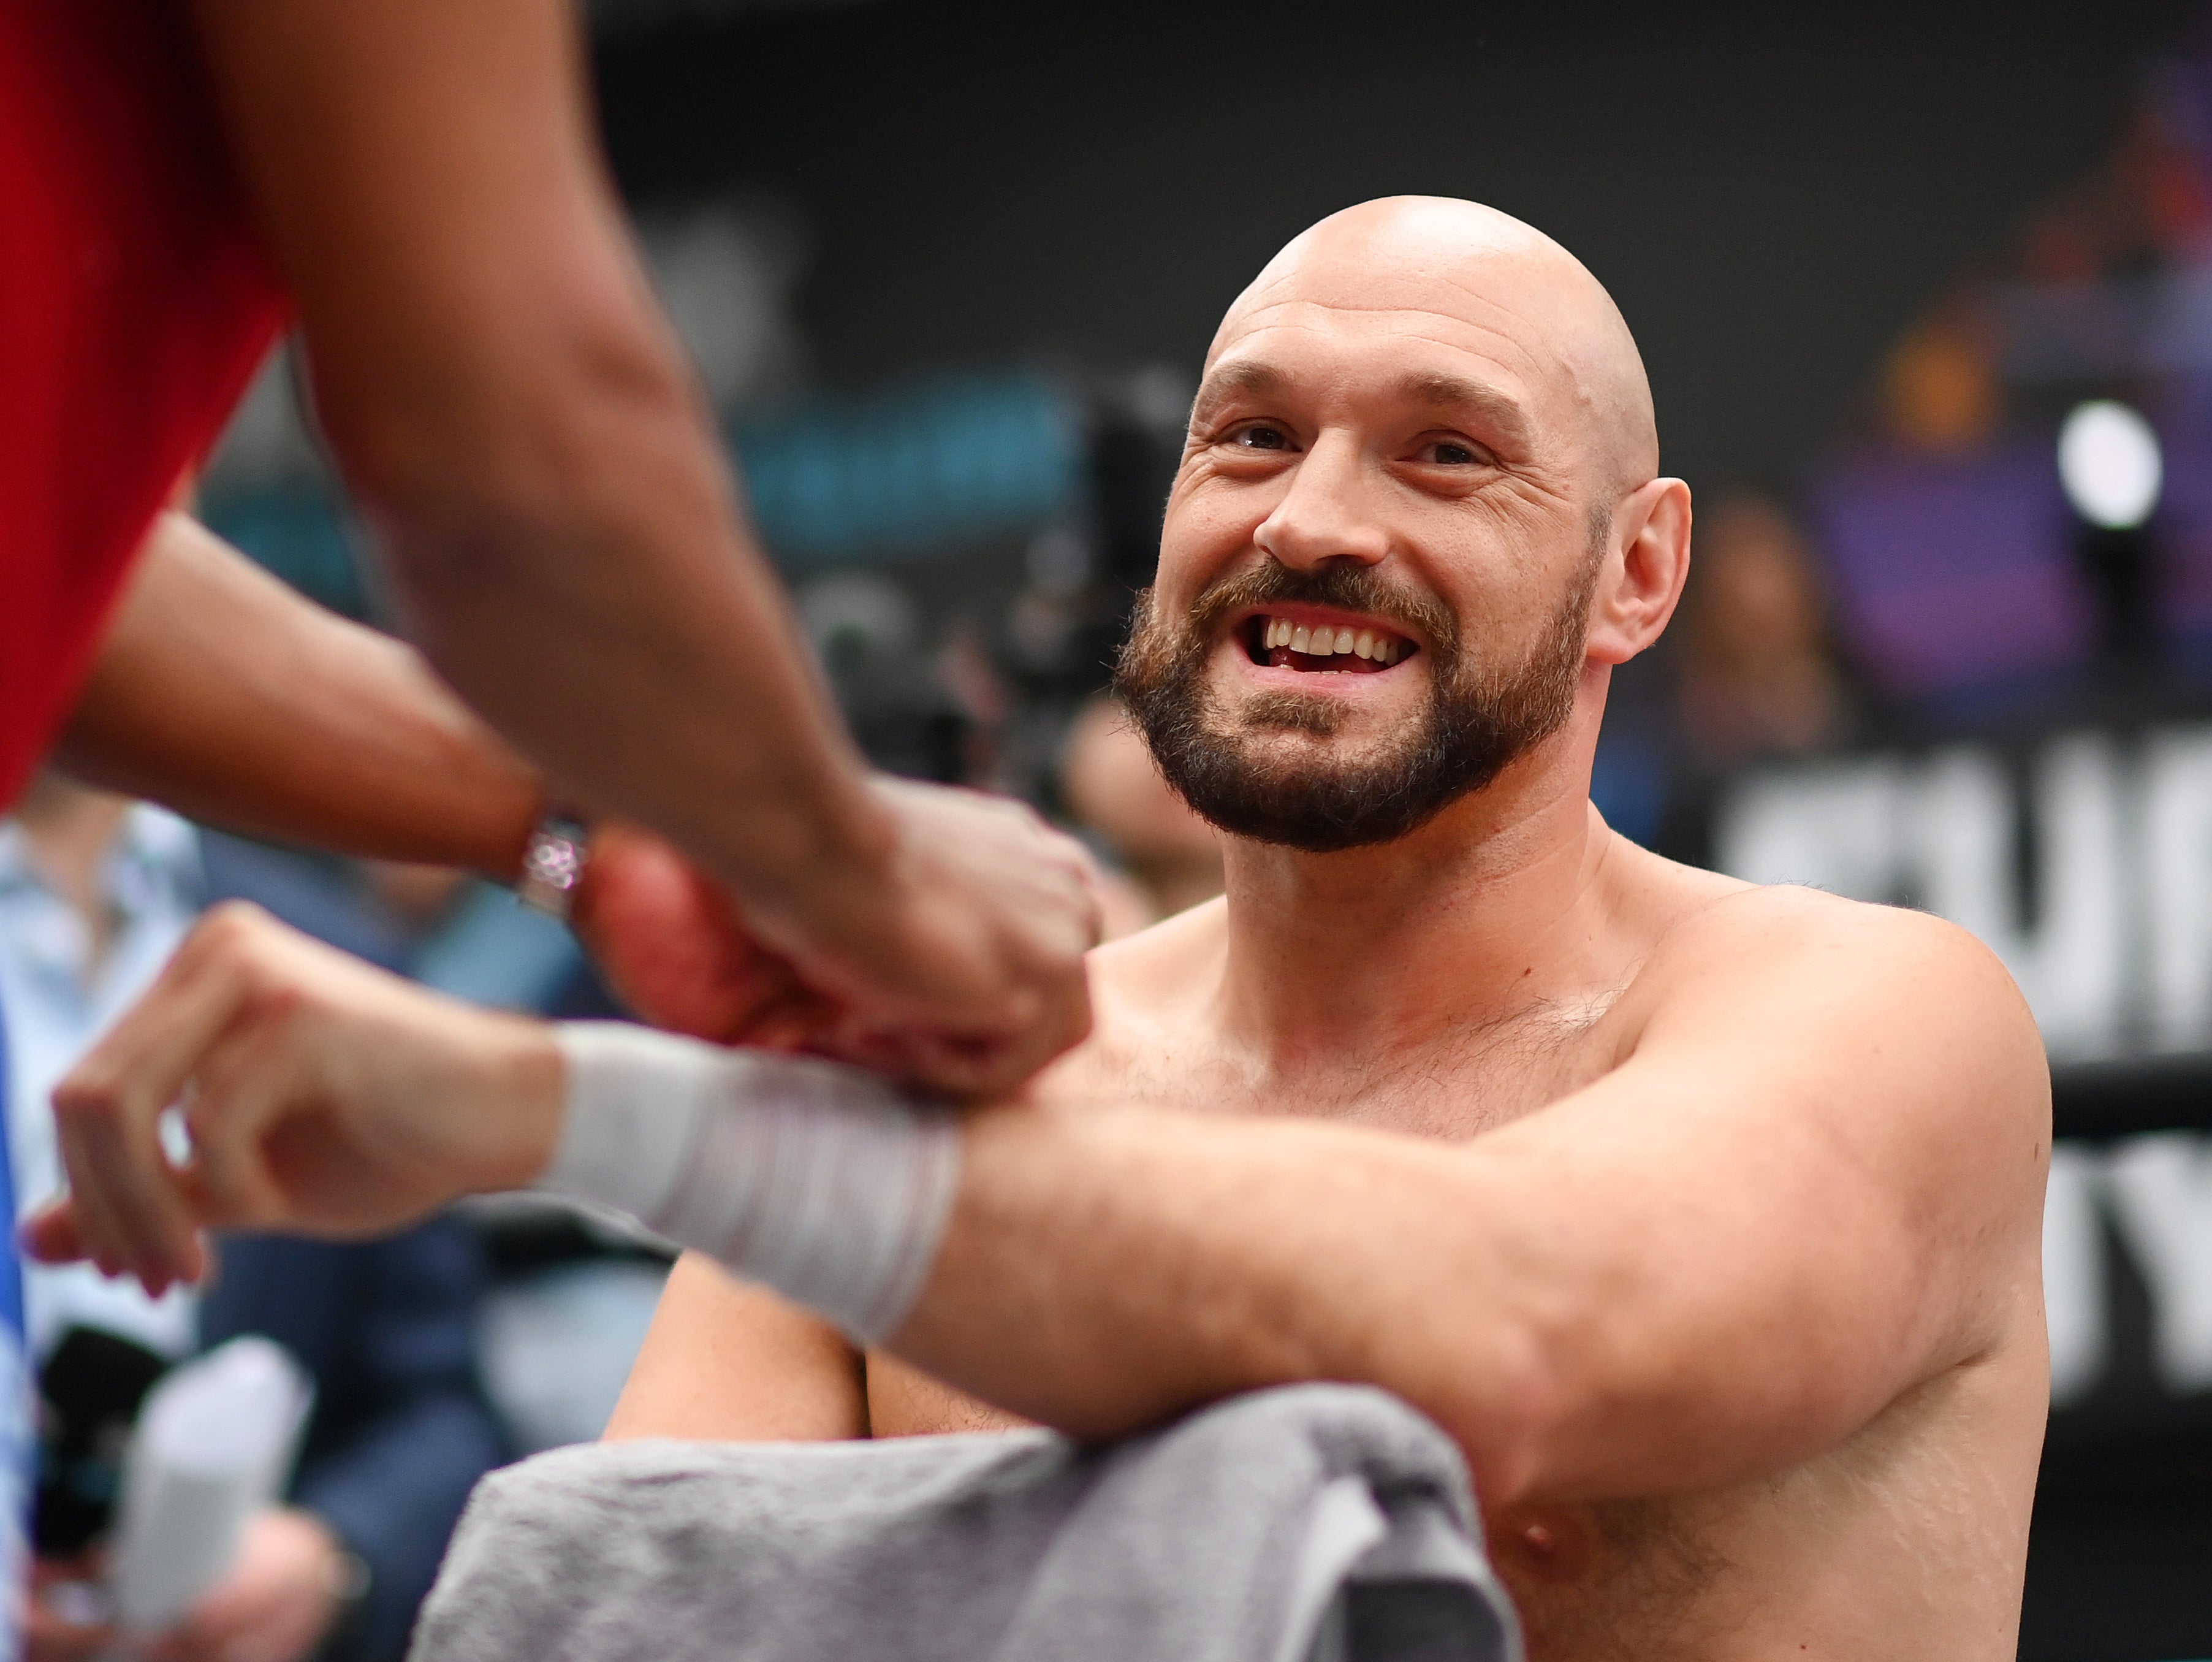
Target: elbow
pixel 1507 1399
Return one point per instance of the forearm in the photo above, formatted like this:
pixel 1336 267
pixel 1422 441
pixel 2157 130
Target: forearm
pixel 1100 1270
pixel 679 694
pixel 518 426
pixel 1103 1271
pixel 224 695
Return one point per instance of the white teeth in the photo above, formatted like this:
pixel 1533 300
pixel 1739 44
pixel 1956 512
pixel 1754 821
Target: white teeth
pixel 1324 642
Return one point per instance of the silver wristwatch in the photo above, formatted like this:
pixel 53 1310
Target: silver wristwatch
pixel 552 865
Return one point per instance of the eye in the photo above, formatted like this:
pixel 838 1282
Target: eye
pixel 1449 453
pixel 1259 436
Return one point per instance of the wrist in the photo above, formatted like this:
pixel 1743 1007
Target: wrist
pixel 838 880
pixel 523 1084
pixel 553 864
pixel 632 1103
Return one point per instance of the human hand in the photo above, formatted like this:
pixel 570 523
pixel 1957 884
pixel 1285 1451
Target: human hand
pixel 274 1604
pixel 322 1095
pixel 965 972
pixel 671 944
pixel 953 963
pixel 60 1619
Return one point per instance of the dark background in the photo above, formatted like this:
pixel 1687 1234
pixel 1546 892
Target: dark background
pixel 1769 193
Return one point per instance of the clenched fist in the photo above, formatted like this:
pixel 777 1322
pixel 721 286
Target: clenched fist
pixel 953 962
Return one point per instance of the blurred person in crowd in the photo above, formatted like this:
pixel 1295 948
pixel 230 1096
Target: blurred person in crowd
pixel 1755 670
pixel 1167 858
pixel 1706 1218
pixel 1940 390
pixel 1756 664
pixel 95 893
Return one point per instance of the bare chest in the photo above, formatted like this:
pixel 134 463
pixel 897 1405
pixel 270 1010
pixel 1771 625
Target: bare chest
pixel 1452 1084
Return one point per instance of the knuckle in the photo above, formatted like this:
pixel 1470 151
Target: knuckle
pixel 85 1097
pixel 231 926
pixel 269 1004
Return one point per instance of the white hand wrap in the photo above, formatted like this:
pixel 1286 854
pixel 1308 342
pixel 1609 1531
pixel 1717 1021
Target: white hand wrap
pixel 823 1182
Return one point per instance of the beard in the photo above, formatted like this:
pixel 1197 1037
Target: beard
pixel 1478 718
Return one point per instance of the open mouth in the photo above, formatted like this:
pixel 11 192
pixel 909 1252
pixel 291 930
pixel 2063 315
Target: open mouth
pixel 1322 648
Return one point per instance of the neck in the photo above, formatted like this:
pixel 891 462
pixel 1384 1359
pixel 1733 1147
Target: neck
pixel 1333 958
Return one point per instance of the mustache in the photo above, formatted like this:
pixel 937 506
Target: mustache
pixel 1344 585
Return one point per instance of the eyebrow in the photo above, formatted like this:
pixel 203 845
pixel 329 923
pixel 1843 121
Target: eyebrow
pixel 1431 387
pixel 1261 379
pixel 1443 392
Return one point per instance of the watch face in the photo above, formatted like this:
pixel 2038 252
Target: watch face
pixel 552 866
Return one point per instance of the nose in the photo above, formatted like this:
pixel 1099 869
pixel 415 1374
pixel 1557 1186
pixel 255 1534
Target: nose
pixel 1324 514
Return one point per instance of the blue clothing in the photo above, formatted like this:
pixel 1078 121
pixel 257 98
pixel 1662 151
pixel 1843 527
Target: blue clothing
pixel 16 1451
pixel 400 1432
pixel 11 1262
pixel 59 999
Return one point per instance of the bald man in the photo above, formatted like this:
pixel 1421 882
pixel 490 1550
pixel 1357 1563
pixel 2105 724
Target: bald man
pixel 1704 1217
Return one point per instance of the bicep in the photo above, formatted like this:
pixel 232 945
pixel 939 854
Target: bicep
pixel 1815 1185
pixel 728 1360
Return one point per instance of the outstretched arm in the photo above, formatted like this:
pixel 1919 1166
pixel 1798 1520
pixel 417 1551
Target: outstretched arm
pixel 1816 1185
pixel 221 693
pixel 516 419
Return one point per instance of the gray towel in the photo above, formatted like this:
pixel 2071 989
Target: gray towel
pixel 1309 1523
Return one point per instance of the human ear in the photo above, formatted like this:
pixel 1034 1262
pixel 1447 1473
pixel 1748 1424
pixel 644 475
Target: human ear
pixel 1644 572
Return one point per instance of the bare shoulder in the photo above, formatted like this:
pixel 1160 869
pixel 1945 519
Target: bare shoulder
pixel 1145 992
pixel 1803 980
pixel 1809 937
pixel 1153 974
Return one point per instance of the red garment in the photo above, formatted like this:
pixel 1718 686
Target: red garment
pixel 134 304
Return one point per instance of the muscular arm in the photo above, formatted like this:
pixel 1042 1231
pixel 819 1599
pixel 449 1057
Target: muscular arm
pixel 1815 1184
pixel 514 418
pixel 729 1361
pixel 519 428
pixel 226 695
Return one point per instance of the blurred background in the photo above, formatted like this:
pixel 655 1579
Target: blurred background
pixel 1926 297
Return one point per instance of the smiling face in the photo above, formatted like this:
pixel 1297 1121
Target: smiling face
pixel 1394 505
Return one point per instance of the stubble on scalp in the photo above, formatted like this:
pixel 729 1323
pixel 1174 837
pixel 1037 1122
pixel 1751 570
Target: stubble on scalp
pixel 1477 719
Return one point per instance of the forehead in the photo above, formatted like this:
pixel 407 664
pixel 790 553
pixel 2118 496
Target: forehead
pixel 1384 325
